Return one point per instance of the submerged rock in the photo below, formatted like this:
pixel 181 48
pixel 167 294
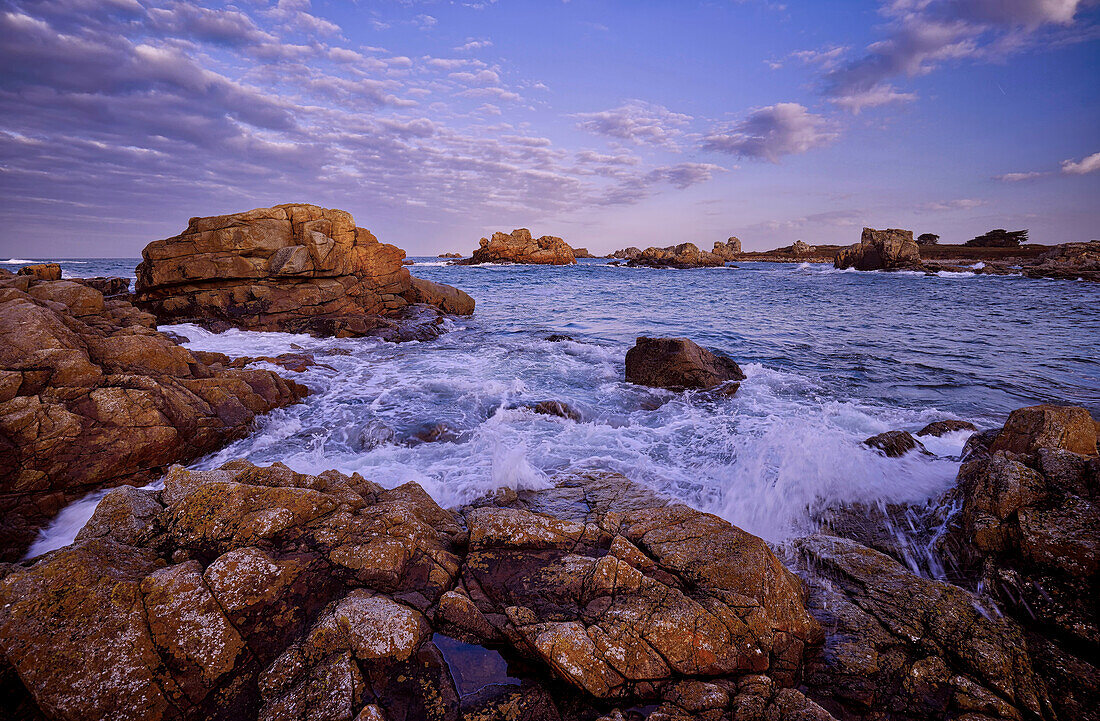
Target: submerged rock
pixel 942 428
pixel 294 267
pixel 891 249
pixel 91 395
pixel 676 364
pixel 519 247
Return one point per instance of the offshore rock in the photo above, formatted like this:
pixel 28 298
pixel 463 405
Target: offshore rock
pixel 519 247
pixel 294 267
pixel 678 363
pixel 626 253
pixel 92 395
pixel 684 255
pixel 1069 261
pixel 582 253
pixel 891 249
pixel 729 250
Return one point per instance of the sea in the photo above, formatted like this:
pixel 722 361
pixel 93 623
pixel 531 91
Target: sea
pixel 832 357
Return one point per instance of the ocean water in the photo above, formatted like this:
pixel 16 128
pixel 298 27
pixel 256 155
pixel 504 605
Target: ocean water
pixel 831 358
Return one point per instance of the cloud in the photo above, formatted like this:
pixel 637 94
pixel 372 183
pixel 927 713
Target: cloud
pixel 949 205
pixel 771 132
pixel 637 122
pixel 922 35
pixel 1017 177
pixel 1087 165
pixel 472 44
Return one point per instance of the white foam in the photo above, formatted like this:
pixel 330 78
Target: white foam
pixel 17 261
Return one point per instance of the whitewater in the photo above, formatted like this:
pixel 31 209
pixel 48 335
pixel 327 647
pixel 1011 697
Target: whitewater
pixel 831 358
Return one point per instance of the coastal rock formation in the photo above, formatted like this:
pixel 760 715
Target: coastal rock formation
pixel 891 249
pixel 91 395
pixel 449 255
pixel 626 253
pixel 294 267
pixel 1068 260
pixel 107 286
pixel 678 363
pixel 520 247
pixel 894 444
pixel 261 593
pixel 42 271
pixel 582 253
pixel 728 250
pixel 684 255
pixel 801 248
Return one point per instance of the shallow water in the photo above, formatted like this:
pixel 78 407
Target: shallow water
pixel 831 357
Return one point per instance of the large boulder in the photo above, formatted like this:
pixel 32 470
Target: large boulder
pixel 891 249
pixel 294 267
pixel 684 255
pixel 678 363
pixel 42 271
pixel 582 253
pixel 92 395
pixel 519 247
pixel 626 253
pixel 729 250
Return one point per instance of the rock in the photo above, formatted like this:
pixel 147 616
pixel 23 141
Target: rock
pixel 297 362
pixel 91 395
pixel 890 249
pixel 295 267
pixel 557 408
pixel 558 337
pixel 107 286
pixel 519 247
pixel 896 641
pixel 449 255
pixel 800 248
pixel 942 428
pixel 684 255
pixel 1029 429
pixel 894 444
pixel 582 253
pixel 626 253
pixel 42 271
pixel 448 299
pixel 676 364
pixel 728 250
pixel 1069 261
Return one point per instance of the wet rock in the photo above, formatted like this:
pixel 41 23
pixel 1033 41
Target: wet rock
pixel 684 255
pixel 942 428
pixel 519 247
pixel 558 337
pixel 677 363
pixel 1046 426
pixel 92 395
pixel 556 408
pixel 42 271
pixel 294 268
pixel 890 249
pixel 297 362
pixel 434 433
pixel 894 444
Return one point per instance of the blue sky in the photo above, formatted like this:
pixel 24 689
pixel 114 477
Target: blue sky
pixel 608 123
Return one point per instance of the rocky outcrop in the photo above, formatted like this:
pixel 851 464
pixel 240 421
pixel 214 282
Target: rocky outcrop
pixel 729 250
pixel 261 593
pixel 1069 261
pixel 107 286
pixel 890 249
pixel 449 255
pixel 894 444
pixel 677 364
pixel 684 255
pixel 520 247
pixel 92 395
pixel 942 428
pixel 800 248
pixel 625 254
pixel 42 271
pixel 442 296
pixel 294 267
pixel 582 253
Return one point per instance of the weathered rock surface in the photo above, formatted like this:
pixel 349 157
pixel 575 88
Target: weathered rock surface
pixel 248 592
pixel 42 271
pixel 582 253
pixel 1069 261
pixel 676 364
pixel 941 428
pixel 294 267
pixel 92 395
pixel 728 250
pixel 519 247
pixel 684 255
pixel 449 255
pixel 894 444
pixel 891 249
pixel 107 286
pixel 626 253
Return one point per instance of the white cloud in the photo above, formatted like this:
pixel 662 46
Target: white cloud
pixel 638 122
pixel 949 205
pixel 1087 165
pixel 772 132
pixel 1017 177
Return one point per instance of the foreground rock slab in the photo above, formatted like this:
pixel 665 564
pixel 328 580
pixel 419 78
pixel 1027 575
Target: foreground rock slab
pixel 91 395
pixel 677 364
pixel 295 267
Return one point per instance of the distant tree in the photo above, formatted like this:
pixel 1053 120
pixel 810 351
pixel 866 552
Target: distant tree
pixel 999 238
pixel 927 239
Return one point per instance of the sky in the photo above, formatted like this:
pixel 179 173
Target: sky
pixel 608 123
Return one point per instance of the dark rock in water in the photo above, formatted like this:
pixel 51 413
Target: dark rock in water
pixel 942 428
pixel 1068 261
pixel 91 395
pixel 582 253
pixel 519 247
pixel 626 253
pixel 891 249
pixel 434 433
pixel 558 337
pixel 676 364
pixel 556 408
pixel 107 286
pixel 296 268
pixel 894 443
pixel 42 271
pixel 684 255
